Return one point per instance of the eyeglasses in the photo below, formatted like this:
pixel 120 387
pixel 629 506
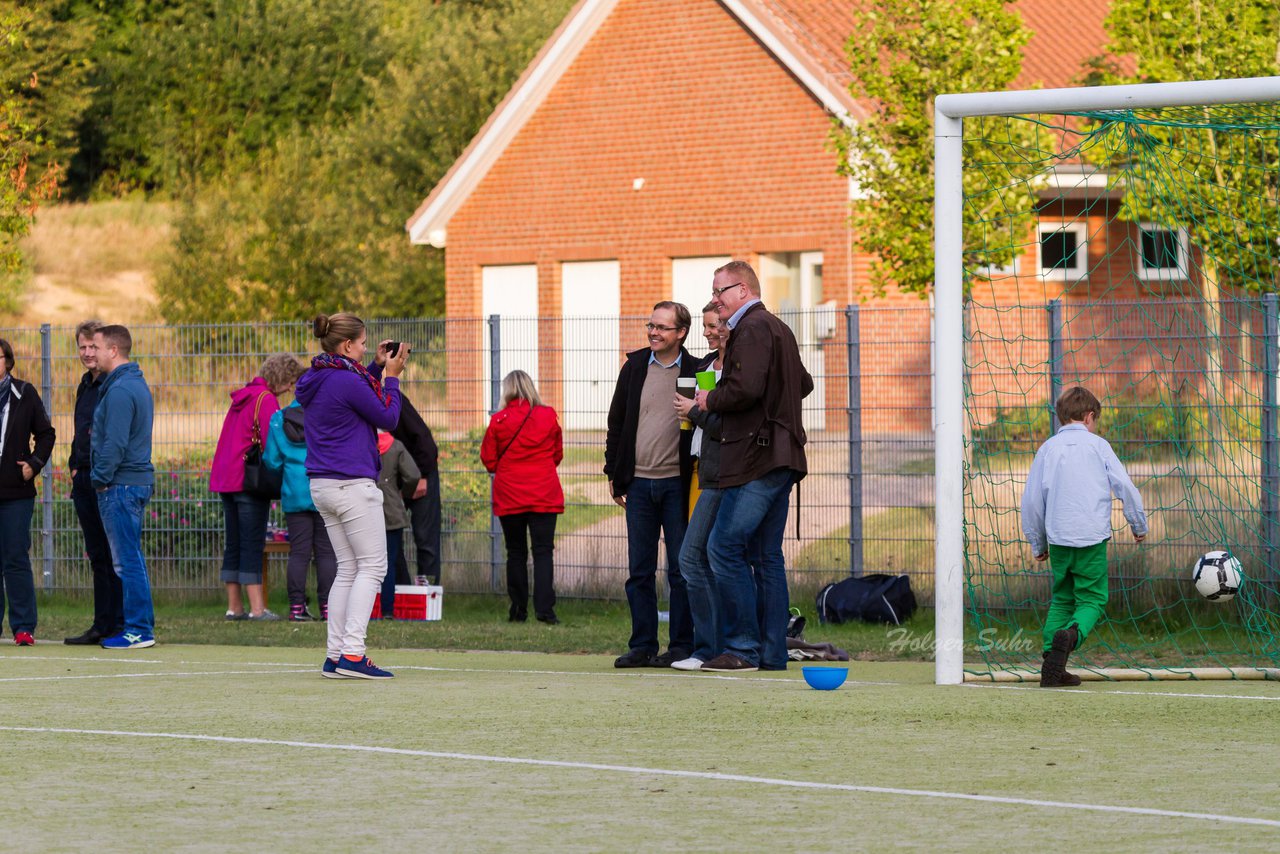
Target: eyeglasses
pixel 654 327
pixel 715 292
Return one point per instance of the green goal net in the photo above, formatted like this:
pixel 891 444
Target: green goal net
pixel 1133 252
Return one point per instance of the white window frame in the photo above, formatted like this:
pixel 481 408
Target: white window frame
pixel 1164 274
pixel 1077 273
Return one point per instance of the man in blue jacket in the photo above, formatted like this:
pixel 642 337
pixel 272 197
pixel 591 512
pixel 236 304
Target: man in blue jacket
pixel 108 598
pixel 122 474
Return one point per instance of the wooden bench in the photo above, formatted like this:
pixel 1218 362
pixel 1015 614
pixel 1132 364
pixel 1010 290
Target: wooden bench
pixel 271 548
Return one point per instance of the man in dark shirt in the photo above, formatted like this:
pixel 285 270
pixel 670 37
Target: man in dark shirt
pixel 424 502
pixel 108 597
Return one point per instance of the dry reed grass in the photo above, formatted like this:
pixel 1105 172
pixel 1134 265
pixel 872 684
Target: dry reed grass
pixel 93 259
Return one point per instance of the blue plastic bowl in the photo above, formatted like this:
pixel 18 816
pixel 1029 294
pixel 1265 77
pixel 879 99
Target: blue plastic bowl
pixel 825 678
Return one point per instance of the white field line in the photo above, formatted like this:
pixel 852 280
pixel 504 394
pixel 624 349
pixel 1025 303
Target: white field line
pixel 154 675
pixel 1275 698
pixel 295 667
pixel 112 659
pixel 283 664
pixel 662 772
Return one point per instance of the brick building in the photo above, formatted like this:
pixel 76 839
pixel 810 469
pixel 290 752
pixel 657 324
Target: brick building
pixel 649 142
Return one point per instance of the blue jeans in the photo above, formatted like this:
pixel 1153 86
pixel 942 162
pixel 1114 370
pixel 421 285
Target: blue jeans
pixel 656 507
pixel 395 547
pixel 245 521
pixel 121 509
pixel 704 604
pixel 16 583
pixel 749 528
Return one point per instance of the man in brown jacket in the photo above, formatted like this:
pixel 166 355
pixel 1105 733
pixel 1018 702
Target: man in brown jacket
pixel 761 455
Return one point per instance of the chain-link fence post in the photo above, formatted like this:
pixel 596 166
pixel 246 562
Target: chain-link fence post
pixel 46 475
pixel 1270 442
pixel 1055 362
pixel 495 401
pixel 853 348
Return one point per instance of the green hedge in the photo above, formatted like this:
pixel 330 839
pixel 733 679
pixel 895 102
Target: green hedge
pixel 1136 431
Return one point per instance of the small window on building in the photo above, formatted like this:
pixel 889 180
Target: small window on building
pixel 1064 251
pixel 1162 252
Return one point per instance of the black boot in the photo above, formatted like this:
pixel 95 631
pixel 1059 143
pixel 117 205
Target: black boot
pixel 1053 672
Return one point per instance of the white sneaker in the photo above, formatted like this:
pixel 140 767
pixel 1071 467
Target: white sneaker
pixel 688 664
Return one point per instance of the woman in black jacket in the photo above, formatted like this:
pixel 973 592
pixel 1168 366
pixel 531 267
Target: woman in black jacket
pixel 22 418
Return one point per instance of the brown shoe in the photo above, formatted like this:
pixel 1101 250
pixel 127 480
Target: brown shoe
pixel 728 663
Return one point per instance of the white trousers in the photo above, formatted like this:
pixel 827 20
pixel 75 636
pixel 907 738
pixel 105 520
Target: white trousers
pixel 352 513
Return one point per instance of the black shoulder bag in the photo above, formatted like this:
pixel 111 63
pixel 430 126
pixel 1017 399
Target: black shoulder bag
pixel 259 480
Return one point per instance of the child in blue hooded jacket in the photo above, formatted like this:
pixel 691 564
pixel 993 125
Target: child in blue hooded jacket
pixel 286 452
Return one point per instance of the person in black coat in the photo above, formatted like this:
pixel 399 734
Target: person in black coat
pixel 22 418
pixel 108 596
pixel 422 499
pixel 647 462
pixel 423 502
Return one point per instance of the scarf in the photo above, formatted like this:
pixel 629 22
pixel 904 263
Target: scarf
pixel 342 363
pixel 384 442
pixel 4 393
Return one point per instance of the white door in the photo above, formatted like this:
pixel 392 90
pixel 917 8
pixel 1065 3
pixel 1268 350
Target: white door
pixel 791 287
pixel 591 302
pixel 691 285
pixel 810 335
pixel 512 293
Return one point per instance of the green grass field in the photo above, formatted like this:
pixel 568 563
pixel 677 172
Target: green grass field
pixel 215 747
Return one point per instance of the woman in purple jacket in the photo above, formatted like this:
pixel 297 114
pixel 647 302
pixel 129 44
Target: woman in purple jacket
pixel 345 407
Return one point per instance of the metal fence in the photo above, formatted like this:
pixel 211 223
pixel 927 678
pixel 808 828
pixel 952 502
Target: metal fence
pixel 866 504
pixel 1191 406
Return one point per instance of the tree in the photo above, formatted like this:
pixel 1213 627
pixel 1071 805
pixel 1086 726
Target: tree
pixel 906 53
pixel 317 221
pixel 46 66
pixel 199 89
pixel 22 143
pixel 1209 171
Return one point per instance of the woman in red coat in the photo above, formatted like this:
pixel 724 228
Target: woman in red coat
pixel 522 447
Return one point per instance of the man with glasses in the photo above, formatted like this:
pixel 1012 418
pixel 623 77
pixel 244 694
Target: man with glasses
pixel 649 467
pixel 761 455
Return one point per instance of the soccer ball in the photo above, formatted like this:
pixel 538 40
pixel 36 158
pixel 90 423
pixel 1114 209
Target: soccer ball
pixel 1218 576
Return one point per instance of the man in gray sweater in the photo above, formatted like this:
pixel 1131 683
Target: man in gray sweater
pixel 648 464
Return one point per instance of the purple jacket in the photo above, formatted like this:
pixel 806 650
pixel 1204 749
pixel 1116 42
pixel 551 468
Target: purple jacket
pixel 227 474
pixel 343 419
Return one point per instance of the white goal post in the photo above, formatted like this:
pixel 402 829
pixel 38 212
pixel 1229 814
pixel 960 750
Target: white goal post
pixel 949 114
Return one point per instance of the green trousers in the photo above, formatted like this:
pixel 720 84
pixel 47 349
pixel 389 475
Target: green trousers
pixel 1079 589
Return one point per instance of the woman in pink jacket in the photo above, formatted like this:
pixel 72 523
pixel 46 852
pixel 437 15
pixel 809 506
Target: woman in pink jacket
pixel 245 515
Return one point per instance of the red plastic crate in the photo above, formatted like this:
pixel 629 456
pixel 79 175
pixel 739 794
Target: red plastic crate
pixel 414 602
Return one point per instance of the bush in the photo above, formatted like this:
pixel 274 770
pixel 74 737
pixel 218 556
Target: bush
pixel 1137 431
